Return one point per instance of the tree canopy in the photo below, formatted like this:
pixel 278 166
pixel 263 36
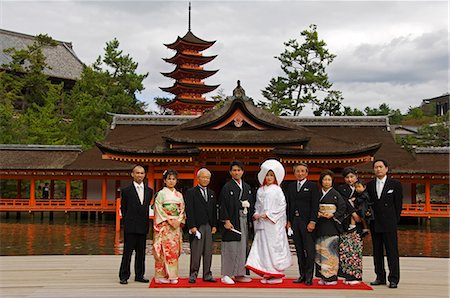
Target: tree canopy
pixel 34 110
pixel 304 78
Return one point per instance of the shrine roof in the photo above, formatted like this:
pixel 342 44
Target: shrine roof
pixel 62 61
pixel 91 160
pixel 37 157
pixel 429 160
pixel 216 128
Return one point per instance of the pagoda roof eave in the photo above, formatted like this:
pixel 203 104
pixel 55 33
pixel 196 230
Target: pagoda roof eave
pixel 179 73
pixel 179 88
pixel 186 58
pixel 190 39
pixel 193 101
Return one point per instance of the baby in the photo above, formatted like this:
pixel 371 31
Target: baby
pixel 362 205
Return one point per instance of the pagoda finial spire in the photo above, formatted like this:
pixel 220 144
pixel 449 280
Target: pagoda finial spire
pixel 189 20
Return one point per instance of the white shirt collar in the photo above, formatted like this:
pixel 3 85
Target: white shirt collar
pixel 383 180
pixel 301 182
pixel 136 185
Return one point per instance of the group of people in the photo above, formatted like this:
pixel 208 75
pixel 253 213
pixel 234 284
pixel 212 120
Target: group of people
pixel 327 225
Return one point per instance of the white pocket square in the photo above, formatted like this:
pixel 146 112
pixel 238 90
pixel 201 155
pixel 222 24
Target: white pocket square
pixel 306 189
pixel 390 191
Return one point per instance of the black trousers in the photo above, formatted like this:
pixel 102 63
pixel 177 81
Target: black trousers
pixel 388 241
pixel 306 248
pixel 137 243
pixel 201 247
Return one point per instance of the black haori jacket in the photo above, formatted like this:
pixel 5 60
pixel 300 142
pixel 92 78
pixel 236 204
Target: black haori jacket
pixel 230 204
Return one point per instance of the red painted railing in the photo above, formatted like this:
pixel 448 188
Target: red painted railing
pixel 56 205
pixel 411 210
pixel 421 210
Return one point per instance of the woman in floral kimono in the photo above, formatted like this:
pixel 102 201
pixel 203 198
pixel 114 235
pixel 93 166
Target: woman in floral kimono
pixel 169 219
pixel 332 208
pixel 270 254
pixel 351 244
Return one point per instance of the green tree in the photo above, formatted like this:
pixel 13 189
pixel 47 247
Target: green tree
pixel 304 67
pixel 428 135
pixel 119 70
pixel 331 105
pixel 161 101
pixel 349 112
pixel 25 74
pixel 395 116
pixel 109 85
pixel 45 125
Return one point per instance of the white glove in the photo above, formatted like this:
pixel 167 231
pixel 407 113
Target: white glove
pixel 198 235
pixel 290 232
pixel 245 205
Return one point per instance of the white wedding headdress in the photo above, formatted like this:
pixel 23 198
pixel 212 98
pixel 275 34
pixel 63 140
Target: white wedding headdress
pixel 275 166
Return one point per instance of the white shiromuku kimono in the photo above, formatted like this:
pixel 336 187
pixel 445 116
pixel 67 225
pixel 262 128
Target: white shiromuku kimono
pixel 270 254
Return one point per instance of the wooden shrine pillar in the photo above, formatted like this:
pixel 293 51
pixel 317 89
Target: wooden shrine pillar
pixel 52 189
pixel 19 188
pixel 32 192
pixel 68 188
pixel 117 189
pixel 159 184
pixel 413 193
pixel 151 177
pixel 104 186
pixel 84 189
pixel 195 178
pixel 428 196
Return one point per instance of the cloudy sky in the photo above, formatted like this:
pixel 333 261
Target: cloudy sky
pixel 391 51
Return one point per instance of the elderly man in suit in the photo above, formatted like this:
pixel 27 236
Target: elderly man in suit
pixel 134 205
pixel 387 197
pixel 303 206
pixel 201 220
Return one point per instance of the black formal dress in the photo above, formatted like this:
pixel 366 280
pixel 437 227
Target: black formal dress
pixel 136 225
pixel 201 213
pixel 386 210
pixel 303 205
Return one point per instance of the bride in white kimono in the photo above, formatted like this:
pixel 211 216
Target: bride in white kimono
pixel 270 254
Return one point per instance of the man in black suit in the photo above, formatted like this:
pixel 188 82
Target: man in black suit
pixel 387 197
pixel 303 205
pixel 134 205
pixel 201 220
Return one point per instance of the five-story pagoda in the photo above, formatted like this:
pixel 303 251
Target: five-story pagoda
pixel 189 74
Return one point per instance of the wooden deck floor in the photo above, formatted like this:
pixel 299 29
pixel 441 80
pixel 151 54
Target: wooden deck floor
pixel 96 276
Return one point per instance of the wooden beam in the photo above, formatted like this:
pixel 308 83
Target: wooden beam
pixel 413 193
pixel 32 192
pixel 19 188
pixel 104 185
pixel 151 176
pixel 428 196
pixel 85 185
pixel 68 201
pixel 52 189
